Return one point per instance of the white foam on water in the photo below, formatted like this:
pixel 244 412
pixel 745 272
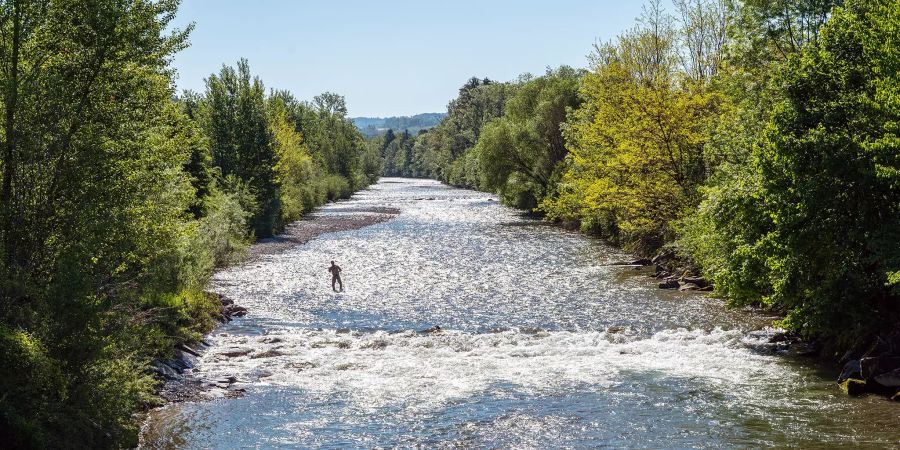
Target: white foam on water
pixel 426 371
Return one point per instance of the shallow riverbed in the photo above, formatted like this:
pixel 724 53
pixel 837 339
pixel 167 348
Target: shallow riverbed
pixel 543 345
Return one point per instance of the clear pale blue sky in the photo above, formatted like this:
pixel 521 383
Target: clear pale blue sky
pixel 392 57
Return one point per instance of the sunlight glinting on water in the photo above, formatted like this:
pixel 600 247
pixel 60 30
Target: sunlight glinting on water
pixel 542 344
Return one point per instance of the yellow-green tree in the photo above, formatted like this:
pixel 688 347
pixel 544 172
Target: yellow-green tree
pixel 636 144
pixel 294 169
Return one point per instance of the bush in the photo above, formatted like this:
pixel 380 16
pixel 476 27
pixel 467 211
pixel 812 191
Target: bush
pixel 222 232
pixel 33 389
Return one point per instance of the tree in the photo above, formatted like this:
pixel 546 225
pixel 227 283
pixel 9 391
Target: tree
pixel 92 208
pixel 241 139
pixel 830 183
pixel 704 34
pixel 519 151
pixel 444 152
pixel 294 167
pixel 636 145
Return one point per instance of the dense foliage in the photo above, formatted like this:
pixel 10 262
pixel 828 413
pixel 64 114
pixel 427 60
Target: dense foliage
pixel 444 152
pixel 636 147
pixel 520 151
pixel 814 229
pixel 117 200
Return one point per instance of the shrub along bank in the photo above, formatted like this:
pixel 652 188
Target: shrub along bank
pixel 119 198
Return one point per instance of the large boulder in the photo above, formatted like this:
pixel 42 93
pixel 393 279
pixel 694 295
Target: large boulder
pixel 877 365
pixel 851 369
pixel 888 379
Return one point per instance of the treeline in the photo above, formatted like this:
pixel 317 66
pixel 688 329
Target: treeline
pixel 756 140
pixel 119 198
pixel 375 126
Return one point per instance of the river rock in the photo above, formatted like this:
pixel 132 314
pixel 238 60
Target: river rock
pixel 851 369
pixel 663 258
pixel 699 281
pixel 234 310
pixel 235 351
pixel 669 284
pixel 888 379
pixel 179 364
pixel 688 287
pixel 260 373
pixel 303 365
pixel 873 366
pixel 188 350
pixel 164 370
pixel 783 336
pixel 853 386
pixel 267 354
pixel 227 380
pixel 636 262
pixel 187 359
pixel 377 344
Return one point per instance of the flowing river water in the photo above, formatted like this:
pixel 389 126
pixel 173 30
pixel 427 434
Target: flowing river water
pixel 544 344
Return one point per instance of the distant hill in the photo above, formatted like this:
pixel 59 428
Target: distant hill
pixel 373 126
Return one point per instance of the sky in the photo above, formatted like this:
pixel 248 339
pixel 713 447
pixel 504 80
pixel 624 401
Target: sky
pixel 392 57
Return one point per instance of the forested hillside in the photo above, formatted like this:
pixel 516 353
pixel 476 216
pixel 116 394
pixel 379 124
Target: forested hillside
pixel 756 141
pixel 119 197
pixel 375 126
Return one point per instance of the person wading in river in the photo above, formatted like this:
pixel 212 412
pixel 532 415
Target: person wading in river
pixel 336 277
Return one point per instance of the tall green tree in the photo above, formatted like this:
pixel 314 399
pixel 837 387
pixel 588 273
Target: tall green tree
pixel 93 202
pixel 519 152
pixel 241 139
pixel 824 242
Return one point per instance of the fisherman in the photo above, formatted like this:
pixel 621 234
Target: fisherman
pixel 336 277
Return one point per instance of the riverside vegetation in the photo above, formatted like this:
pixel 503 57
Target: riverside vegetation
pixel 757 142
pixel 119 198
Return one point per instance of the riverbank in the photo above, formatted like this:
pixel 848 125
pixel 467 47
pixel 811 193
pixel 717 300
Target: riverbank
pixel 872 367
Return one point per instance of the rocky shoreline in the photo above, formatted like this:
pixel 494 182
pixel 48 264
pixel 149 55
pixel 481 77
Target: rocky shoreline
pixel 873 369
pixel 177 381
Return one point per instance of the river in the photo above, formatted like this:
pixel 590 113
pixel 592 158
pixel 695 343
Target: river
pixel 543 344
